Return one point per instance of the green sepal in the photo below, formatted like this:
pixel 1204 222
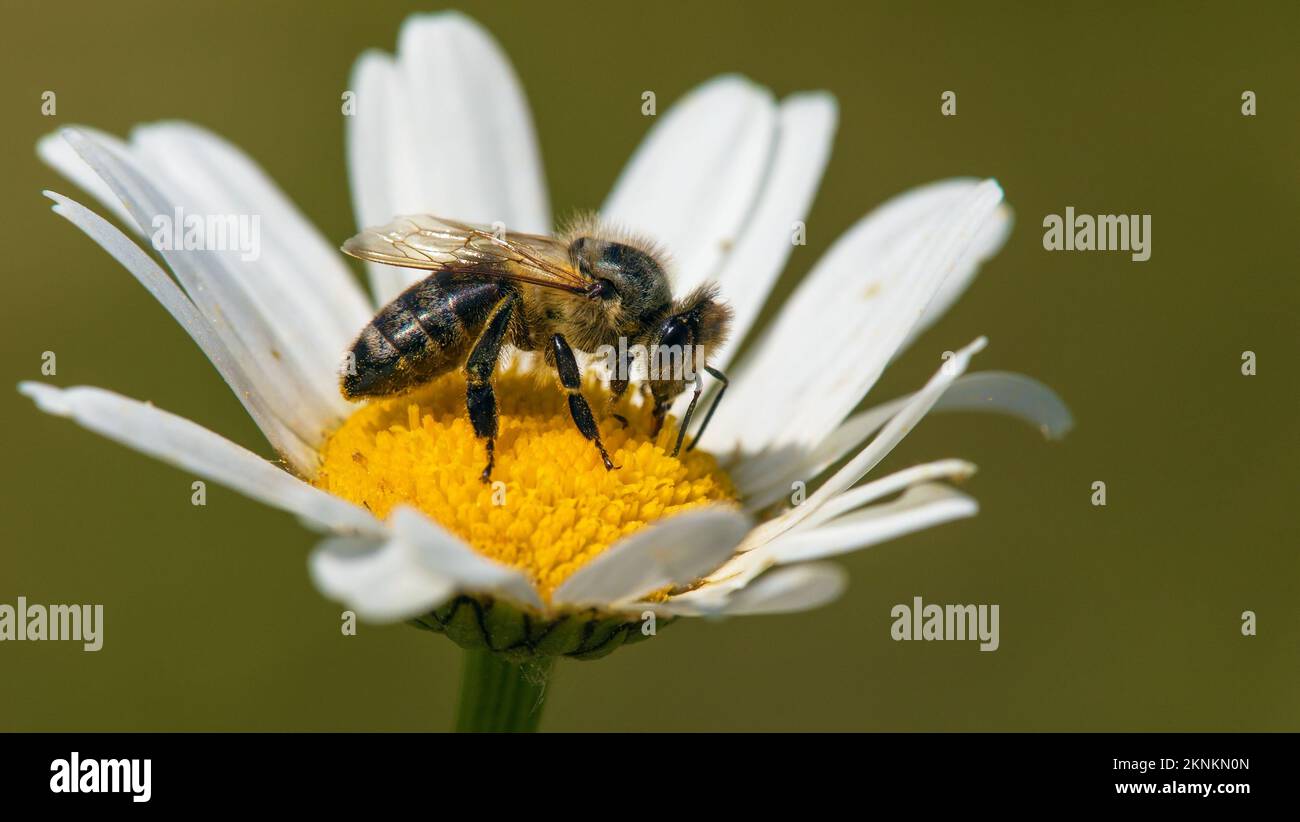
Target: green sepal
pixel 521 635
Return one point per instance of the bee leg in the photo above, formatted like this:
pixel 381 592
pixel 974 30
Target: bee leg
pixel 717 398
pixel 686 419
pixel 480 400
pixel 617 388
pixel 657 419
pixel 567 367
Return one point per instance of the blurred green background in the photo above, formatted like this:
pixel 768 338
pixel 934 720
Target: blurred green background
pixel 1123 617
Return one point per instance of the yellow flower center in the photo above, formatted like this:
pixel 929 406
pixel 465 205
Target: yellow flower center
pixel 551 505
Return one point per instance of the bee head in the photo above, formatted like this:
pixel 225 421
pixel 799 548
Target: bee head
pixel 681 345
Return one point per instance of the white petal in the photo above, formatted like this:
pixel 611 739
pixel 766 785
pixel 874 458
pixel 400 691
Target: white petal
pixel 759 476
pixel 372 141
pixel 863 298
pixel 141 265
pixel 192 447
pixel 674 551
pixel 783 590
pixel 1002 392
pixel 59 154
pixel 860 495
pixel 920 507
pixel 376 141
pixel 805 129
pixel 445 129
pixel 766 477
pixel 382 580
pixel 987 242
pixel 487 163
pixel 870 456
pixel 449 556
pixel 223 289
pixel 299 274
pixel 692 183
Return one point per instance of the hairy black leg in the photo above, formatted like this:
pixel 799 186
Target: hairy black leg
pixel 480 400
pixel 657 416
pixel 617 388
pixel 567 367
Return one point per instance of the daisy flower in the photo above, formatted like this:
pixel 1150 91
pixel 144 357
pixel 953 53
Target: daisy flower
pixel 560 557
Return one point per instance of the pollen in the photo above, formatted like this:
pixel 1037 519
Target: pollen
pixel 550 506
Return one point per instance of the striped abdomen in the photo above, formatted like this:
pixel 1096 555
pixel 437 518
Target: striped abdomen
pixel 425 332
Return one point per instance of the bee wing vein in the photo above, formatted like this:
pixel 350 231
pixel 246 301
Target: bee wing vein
pixel 434 243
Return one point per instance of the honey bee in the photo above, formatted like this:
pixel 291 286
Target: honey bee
pixel 588 289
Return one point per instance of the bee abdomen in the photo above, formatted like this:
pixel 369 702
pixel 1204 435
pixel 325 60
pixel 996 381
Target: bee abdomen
pixel 423 333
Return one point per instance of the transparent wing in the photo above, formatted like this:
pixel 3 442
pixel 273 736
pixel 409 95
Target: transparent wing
pixel 437 244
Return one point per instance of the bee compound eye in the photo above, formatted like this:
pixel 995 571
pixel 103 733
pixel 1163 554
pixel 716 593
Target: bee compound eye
pixel 675 333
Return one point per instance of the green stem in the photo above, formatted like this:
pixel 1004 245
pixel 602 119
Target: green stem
pixel 500 697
